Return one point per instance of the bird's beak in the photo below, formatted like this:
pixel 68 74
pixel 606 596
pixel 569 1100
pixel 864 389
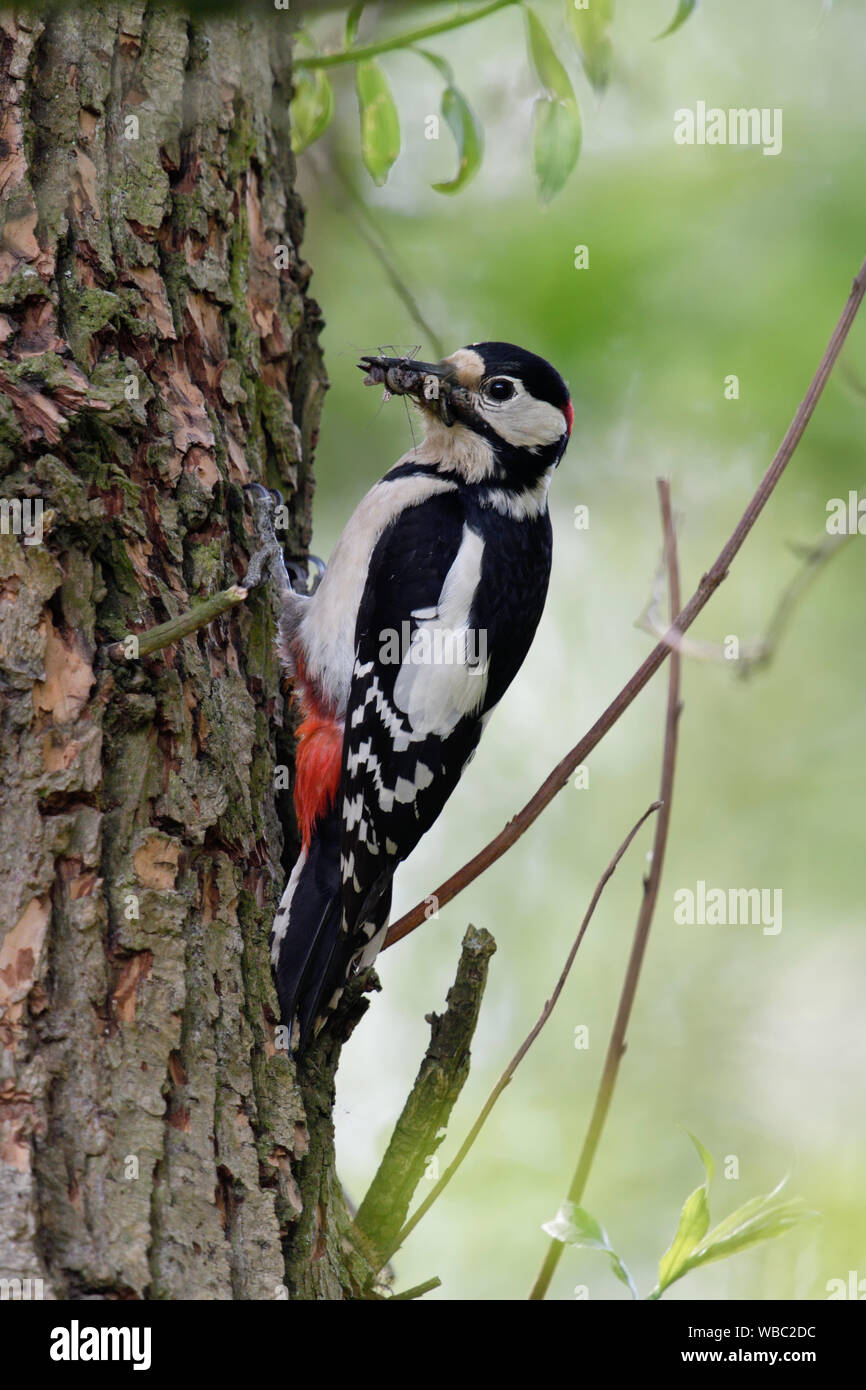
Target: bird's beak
pixel 427 383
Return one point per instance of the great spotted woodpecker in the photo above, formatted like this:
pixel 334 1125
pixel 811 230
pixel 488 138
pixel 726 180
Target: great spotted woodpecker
pixel 421 622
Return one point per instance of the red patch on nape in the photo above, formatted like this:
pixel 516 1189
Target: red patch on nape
pixel 317 771
pixel 568 412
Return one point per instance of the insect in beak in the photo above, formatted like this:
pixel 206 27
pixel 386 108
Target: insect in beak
pixel 428 383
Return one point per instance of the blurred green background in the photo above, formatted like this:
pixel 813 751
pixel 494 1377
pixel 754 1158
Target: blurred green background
pixel 703 262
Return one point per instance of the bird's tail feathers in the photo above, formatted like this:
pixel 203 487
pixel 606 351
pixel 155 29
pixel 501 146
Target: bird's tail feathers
pixel 311 951
pixel 306 930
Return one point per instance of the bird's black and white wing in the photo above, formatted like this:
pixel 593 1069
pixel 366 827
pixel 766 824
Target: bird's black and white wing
pixel 416 700
pixel 440 634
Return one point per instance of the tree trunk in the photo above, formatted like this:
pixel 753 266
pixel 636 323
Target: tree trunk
pixel 159 351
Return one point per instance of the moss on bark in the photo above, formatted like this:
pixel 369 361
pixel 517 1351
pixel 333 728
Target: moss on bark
pixel 153 359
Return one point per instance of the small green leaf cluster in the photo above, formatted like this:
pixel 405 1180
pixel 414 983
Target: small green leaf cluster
pixel 694 1243
pixel 557 124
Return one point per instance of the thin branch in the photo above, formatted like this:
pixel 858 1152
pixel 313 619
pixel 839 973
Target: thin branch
pixel 267 560
pixel 372 50
pixel 326 6
pixel 420 1129
pixel 521 1052
pixel 761 653
pixel 617 1044
pixel 710 581
pixel 417 1292
pixel 153 639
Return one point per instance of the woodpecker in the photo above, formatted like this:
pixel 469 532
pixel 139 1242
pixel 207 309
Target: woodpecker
pixel 424 616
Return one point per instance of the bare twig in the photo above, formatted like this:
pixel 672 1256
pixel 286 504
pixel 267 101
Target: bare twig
pixel 417 1292
pixel 710 581
pixel 420 1129
pixel 616 1046
pixel 816 558
pixel 521 1052
pixel 153 639
pixel 266 560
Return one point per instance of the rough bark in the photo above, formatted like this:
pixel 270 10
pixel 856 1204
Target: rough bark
pixel 157 354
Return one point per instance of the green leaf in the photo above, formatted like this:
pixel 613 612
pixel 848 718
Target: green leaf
pixel 557 140
pixel 759 1219
pixel 311 110
pixel 463 124
pixel 684 9
pixel 353 19
pixel 551 73
pixel 576 1226
pixel 705 1156
pixel 557 124
pixel 443 68
pixel 762 1218
pixel 468 136
pixel 694 1224
pixel 589 29
pixel 622 1273
pixel 380 125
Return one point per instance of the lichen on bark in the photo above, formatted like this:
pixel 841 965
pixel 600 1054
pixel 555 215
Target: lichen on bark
pixel 156 354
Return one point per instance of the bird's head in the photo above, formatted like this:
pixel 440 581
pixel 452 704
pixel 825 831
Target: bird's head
pixel 508 408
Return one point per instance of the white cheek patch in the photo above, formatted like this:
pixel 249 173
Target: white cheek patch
pixel 523 421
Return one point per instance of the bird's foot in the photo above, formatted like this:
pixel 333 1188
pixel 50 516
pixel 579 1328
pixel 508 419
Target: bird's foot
pixel 290 575
pixel 299 570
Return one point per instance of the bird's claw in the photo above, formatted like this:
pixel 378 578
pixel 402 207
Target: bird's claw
pixel 292 575
pixel 267 559
pixel 298 568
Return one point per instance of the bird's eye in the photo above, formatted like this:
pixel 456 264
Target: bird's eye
pixel 500 389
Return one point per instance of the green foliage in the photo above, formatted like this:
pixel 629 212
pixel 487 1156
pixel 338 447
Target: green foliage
pixel 353 19
pixel 684 9
pixel 380 124
pixel 589 30
pixel 312 109
pixel 762 1218
pixel 574 1225
pixel 557 124
pixel 693 1226
pixel 464 126
pixel 556 144
pixel 694 1244
pixel 468 136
